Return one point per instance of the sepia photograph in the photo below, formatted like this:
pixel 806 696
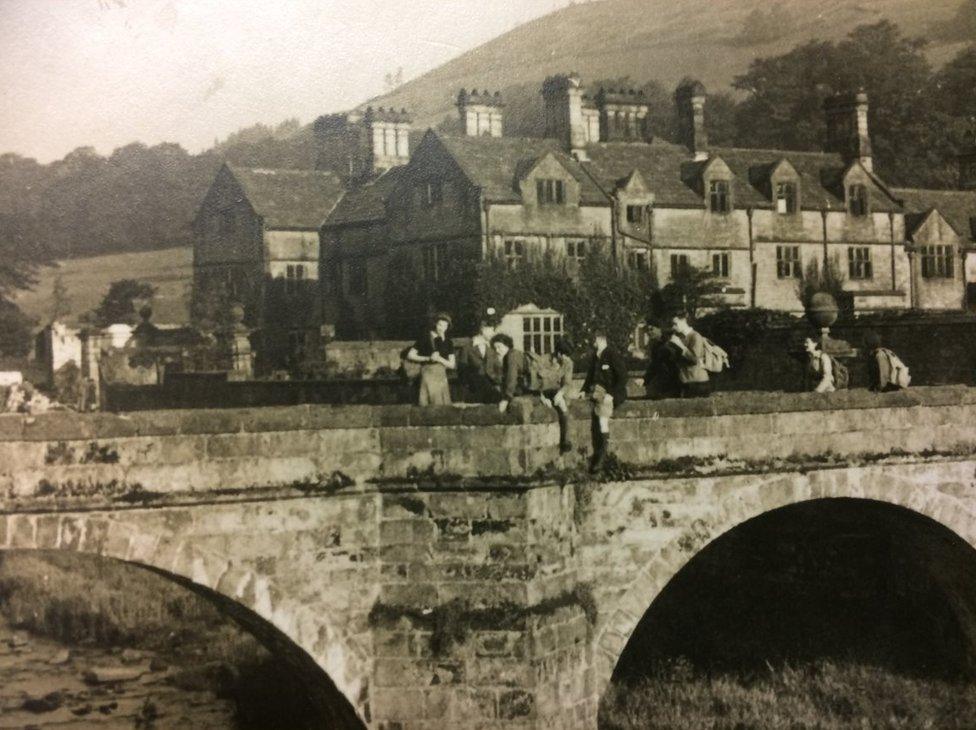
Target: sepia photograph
pixel 487 364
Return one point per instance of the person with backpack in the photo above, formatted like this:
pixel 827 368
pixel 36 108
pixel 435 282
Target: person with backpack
pixel 886 371
pixel 606 388
pixel 514 370
pixel 692 373
pixel 827 371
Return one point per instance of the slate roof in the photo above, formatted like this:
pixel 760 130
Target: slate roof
pixel 289 198
pixel 366 203
pixel 958 207
pixel 671 175
pixel 495 163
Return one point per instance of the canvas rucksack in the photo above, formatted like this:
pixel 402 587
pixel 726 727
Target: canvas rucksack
pixel 716 359
pixel 899 370
pixel 842 376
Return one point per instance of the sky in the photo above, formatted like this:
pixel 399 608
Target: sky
pixel 106 73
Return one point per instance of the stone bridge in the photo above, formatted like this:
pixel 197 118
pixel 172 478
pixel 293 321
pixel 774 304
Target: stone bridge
pixel 445 567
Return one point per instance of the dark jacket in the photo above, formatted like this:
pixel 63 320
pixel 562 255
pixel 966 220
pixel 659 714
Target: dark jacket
pixel 609 370
pixel 515 374
pixel 480 372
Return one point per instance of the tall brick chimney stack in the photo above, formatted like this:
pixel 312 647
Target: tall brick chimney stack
pixel 481 113
pixel 689 98
pixel 562 98
pixel 847 128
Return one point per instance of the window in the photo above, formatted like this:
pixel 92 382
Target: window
pixel 514 253
pixel 859 263
pixel 857 200
pixel 540 332
pixel 788 262
pixel 785 198
pixel 635 214
pixel 576 251
pixel 357 277
pixel 435 259
pixel 721 263
pixel 296 343
pixel 718 196
pixel 638 260
pixel 679 265
pixel 550 192
pixel 294 275
pixel 225 223
pixel 937 262
pixel 432 193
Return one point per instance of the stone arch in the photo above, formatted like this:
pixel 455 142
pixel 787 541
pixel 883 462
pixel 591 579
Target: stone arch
pixel 928 492
pixel 337 670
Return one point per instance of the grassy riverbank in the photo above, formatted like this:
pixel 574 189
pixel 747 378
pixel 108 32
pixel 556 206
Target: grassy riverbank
pixel 825 696
pixel 83 601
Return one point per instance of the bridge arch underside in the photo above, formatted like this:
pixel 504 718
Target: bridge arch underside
pixel 252 600
pixel 836 579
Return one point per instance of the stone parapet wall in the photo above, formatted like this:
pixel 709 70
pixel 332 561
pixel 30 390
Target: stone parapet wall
pixel 315 447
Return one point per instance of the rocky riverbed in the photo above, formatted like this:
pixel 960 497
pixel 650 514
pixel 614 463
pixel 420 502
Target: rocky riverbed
pixel 45 684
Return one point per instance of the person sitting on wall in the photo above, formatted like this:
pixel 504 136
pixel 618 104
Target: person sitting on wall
pixel 886 371
pixel 557 387
pixel 820 367
pixel 515 370
pixel 478 364
pixel 435 353
pixel 691 345
pixel 662 377
pixel 606 388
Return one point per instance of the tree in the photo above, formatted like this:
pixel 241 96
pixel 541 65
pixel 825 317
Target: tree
pixel 15 330
pixel 692 290
pixel 60 300
pixel 121 303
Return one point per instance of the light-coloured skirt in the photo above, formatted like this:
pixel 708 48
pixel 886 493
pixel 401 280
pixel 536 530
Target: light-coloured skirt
pixel 434 390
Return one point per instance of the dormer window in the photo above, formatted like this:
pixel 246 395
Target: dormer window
pixel 635 215
pixel 550 192
pixel 857 200
pixel 719 197
pixel 785 198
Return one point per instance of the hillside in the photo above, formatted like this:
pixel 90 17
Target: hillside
pixel 87 280
pixel 661 40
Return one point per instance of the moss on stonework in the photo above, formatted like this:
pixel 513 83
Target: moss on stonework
pixel 450 623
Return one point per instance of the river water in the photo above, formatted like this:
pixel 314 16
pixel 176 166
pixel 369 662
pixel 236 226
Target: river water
pixel 44 684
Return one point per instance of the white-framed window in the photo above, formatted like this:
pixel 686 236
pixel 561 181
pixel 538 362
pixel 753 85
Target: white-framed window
pixel 859 264
pixel 577 250
pixel 785 198
pixel 550 192
pixel 721 264
pixel 294 276
pixel 514 249
pixel 432 193
pixel 540 332
pixel 719 196
pixel 937 262
pixel 857 200
pixel 788 262
pixel 679 265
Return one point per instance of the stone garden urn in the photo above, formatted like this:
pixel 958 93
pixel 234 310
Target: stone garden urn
pixel 822 311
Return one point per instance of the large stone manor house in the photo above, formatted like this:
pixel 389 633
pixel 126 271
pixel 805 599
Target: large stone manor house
pixel 310 250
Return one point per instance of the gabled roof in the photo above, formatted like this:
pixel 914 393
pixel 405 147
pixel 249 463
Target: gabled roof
pixel 299 199
pixel 659 163
pixel 958 207
pixel 366 203
pixel 494 164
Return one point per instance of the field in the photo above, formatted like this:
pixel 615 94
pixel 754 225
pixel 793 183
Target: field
pixel 87 280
